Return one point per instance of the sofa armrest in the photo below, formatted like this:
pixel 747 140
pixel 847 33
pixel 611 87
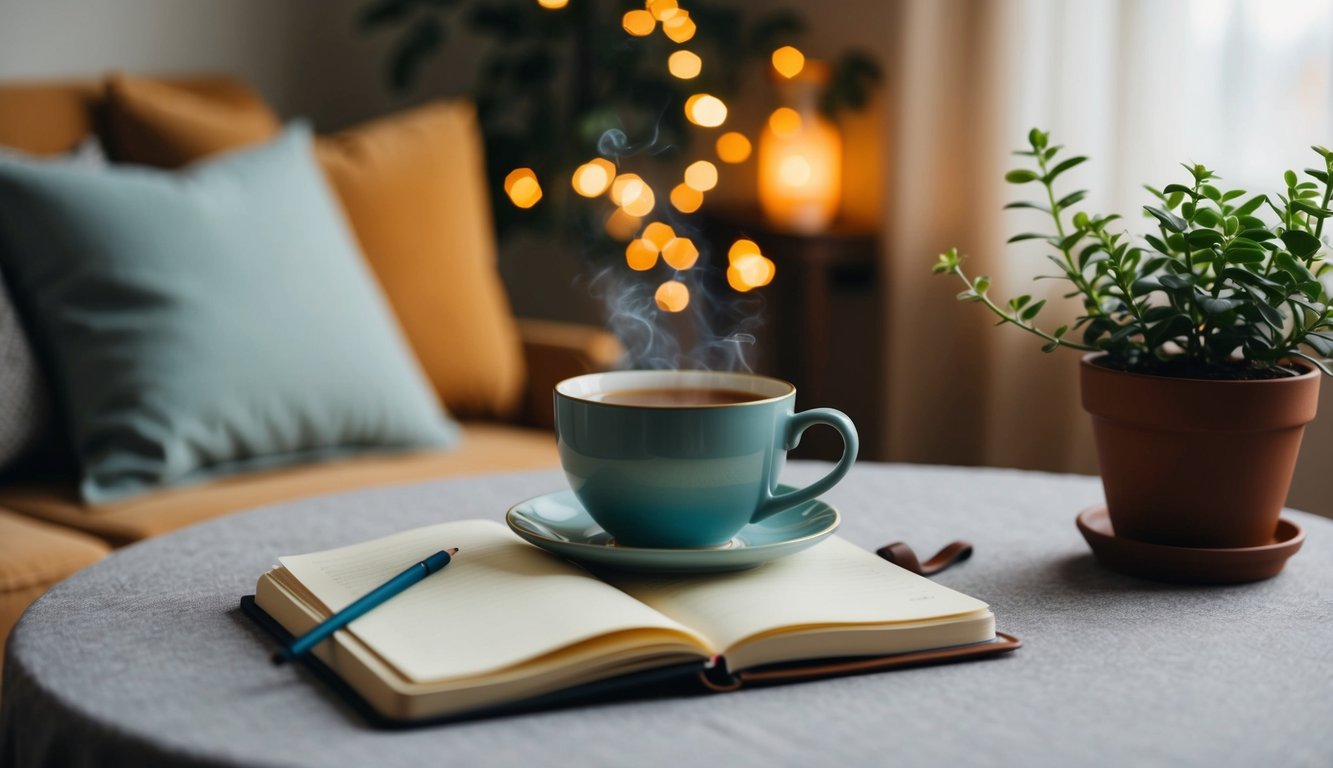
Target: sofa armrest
pixel 554 351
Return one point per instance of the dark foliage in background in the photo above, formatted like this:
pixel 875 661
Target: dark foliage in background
pixel 555 86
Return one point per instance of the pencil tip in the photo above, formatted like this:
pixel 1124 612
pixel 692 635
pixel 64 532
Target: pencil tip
pixel 452 551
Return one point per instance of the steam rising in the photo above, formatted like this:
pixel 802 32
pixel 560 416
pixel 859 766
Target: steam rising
pixel 656 339
pixel 715 332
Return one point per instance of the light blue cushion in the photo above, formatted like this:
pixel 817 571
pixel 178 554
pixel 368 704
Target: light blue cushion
pixel 208 320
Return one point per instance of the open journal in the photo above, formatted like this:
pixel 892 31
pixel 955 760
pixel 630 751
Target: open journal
pixel 507 622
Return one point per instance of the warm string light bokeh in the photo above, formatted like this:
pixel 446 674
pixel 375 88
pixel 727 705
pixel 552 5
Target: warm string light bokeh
pixel 649 243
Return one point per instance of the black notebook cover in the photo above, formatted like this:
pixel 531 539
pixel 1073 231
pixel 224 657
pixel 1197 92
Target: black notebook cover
pixel 692 678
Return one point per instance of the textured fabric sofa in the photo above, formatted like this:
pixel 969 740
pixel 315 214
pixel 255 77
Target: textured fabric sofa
pixel 47 532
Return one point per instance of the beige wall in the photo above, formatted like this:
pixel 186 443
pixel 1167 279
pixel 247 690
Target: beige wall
pixel 305 56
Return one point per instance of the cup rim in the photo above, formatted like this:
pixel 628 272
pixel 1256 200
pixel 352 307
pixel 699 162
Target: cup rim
pixel 752 383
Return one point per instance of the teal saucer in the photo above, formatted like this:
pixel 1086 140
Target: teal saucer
pixel 558 523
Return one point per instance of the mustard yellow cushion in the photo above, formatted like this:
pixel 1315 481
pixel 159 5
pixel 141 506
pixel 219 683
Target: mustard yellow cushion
pixel 165 125
pixel 413 187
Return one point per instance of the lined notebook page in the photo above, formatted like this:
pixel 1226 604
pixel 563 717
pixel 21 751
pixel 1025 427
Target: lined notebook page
pixel 500 602
pixel 834 582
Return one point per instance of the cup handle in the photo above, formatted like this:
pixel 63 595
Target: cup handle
pixel 796 425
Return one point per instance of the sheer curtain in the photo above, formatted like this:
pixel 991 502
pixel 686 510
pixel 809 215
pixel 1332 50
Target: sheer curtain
pixel 1243 86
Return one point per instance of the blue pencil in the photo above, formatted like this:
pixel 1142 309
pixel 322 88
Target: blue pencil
pixel 363 605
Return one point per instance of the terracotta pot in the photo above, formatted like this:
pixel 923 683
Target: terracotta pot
pixel 1196 463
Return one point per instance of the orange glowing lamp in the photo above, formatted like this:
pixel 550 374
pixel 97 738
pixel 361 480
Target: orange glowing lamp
pixel 800 160
pixel 553 4
pixel 672 296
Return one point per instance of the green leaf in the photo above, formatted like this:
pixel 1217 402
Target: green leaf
pixel 1169 220
pixel 1177 282
pixel 1033 206
pixel 981 284
pixel 1289 264
pixel 1177 325
pixel 1217 306
pixel 1027 236
pixel 1257 234
pixel 1302 244
pixel 1177 189
pixel 1032 311
pixel 1064 166
pixel 1250 278
pixel 1321 175
pixel 1232 195
pixel 1020 176
pixel 1207 217
pixel 1211 192
pixel 1271 315
pixel 1321 343
pixel 1313 210
pixel 1124 332
pixel 1245 256
pixel 1157 243
pixel 1320 364
pixel 1069 241
pixel 1018 302
pixel 1087 253
pixel 1144 286
pixel 1071 198
pixel 1202 238
pixel 1038 139
pixel 1251 205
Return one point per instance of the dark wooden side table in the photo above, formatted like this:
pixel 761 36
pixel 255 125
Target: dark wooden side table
pixel 822 329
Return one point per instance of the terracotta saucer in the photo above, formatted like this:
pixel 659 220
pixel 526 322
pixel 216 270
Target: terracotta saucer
pixel 1189 565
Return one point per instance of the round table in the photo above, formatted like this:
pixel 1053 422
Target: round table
pixel 145 658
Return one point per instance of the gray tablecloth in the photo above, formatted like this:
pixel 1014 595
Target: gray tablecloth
pixel 145 658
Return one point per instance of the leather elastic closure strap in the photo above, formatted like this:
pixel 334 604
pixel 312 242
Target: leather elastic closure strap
pixel 901 555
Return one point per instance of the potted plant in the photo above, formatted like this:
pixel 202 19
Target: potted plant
pixel 1204 342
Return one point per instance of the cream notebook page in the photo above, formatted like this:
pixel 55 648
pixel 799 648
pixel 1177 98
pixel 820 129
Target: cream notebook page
pixel 833 583
pixel 499 603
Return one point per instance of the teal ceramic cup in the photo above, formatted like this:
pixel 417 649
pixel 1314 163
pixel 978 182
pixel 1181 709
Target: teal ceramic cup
pixel 666 475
